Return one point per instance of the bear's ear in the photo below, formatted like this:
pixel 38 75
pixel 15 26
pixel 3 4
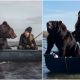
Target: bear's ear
pixel 49 23
pixel 60 22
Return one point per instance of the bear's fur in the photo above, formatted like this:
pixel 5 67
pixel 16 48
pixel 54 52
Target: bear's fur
pixel 62 38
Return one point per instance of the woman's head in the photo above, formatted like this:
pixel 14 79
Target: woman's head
pixel 27 31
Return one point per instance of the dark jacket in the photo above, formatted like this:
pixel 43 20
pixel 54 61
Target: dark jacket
pixel 26 42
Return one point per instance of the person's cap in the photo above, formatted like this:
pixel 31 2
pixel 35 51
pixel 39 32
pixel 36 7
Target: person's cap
pixel 29 29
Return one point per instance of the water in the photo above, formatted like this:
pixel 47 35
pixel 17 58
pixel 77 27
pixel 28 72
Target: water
pixel 48 75
pixel 20 70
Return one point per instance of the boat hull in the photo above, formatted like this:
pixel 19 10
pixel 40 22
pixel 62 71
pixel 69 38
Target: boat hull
pixel 62 65
pixel 20 55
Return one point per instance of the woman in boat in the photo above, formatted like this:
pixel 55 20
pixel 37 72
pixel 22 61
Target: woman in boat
pixel 76 33
pixel 27 40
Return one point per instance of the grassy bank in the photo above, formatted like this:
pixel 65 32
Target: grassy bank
pixel 45 33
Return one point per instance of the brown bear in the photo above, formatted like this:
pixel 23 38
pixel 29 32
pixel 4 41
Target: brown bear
pixel 5 32
pixel 62 38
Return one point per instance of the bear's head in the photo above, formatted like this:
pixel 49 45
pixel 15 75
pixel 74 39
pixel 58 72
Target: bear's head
pixel 7 31
pixel 55 27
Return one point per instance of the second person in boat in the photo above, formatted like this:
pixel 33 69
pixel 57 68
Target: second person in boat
pixel 27 40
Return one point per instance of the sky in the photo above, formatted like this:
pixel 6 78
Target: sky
pixel 66 11
pixel 21 14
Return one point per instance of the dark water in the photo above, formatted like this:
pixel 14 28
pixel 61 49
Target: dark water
pixel 20 70
pixel 48 75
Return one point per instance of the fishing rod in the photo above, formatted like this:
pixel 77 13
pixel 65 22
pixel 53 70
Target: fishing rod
pixel 38 35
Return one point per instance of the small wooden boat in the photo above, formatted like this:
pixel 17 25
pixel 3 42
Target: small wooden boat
pixel 20 55
pixel 62 65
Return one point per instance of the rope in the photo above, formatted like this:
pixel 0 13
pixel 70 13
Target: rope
pixel 66 65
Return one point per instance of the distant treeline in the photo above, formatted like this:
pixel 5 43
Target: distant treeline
pixel 45 33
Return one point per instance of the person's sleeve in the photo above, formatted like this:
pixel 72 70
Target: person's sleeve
pixel 33 41
pixel 77 27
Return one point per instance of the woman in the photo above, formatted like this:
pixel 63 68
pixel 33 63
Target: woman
pixel 27 40
pixel 76 33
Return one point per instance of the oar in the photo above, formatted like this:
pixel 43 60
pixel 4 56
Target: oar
pixel 38 35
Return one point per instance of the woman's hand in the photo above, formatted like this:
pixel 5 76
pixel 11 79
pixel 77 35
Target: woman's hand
pixel 20 47
pixel 32 45
pixel 27 46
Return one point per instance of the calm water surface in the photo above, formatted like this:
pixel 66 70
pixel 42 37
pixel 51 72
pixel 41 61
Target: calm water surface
pixel 20 70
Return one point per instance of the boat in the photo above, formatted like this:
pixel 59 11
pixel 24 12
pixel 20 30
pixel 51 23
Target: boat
pixel 20 55
pixel 62 64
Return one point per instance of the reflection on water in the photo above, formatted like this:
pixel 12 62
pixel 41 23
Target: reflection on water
pixel 48 75
pixel 20 70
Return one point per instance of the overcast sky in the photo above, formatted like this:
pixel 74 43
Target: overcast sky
pixel 21 14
